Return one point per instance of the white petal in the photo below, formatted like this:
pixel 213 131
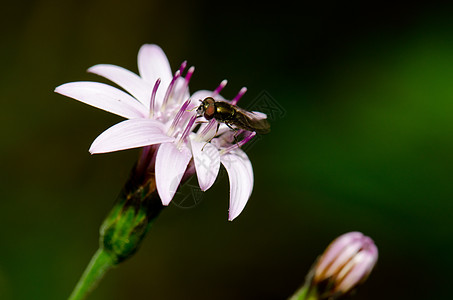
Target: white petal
pixel 130 134
pixel 171 163
pixel 105 97
pixel 126 79
pixel 333 251
pixel 355 271
pixel 240 175
pixel 207 163
pixel 153 64
pixel 346 254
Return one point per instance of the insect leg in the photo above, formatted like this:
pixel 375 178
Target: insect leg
pixel 200 122
pixel 236 133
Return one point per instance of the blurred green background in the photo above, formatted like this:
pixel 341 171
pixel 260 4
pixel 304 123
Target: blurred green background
pixel 364 142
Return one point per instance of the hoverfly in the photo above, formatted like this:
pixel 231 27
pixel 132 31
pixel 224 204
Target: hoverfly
pixel 232 115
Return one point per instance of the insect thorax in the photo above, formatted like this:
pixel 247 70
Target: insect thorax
pixel 224 111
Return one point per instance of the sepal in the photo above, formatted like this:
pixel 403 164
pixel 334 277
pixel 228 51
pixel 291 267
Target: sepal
pixel 129 220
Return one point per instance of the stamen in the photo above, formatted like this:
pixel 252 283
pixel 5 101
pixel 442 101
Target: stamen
pixel 178 117
pixel 187 130
pixel 220 87
pixel 186 83
pixel 183 66
pixel 206 130
pixel 170 90
pixel 153 98
pixel 239 144
pixel 238 96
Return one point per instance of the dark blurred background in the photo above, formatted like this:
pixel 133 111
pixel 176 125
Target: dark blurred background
pixel 363 140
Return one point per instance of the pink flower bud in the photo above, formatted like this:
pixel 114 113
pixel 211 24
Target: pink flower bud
pixel 346 263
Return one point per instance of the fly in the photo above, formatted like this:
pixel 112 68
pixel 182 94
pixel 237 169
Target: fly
pixel 232 115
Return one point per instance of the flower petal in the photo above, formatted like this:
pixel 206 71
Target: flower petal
pixel 207 163
pixel 355 271
pixel 240 174
pixel 105 97
pixel 334 250
pixel 153 64
pixel 130 134
pixel 171 163
pixel 346 254
pixel 126 79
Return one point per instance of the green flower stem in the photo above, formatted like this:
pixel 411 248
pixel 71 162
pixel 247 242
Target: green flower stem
pixel 305 293
pixel 98 266
pixel 123 230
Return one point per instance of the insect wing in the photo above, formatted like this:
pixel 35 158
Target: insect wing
pixel 252 121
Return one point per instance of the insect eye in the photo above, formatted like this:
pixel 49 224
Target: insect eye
pixel 209 112
pixel 208 101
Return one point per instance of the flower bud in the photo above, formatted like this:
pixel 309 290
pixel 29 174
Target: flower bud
pixel 125 227
pixel 346 263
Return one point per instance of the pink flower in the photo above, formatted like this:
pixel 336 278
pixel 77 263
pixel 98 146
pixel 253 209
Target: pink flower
pixel 347 262
pixel 161 118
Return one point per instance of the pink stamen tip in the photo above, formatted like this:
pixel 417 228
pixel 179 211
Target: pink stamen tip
pixel 153 97
pixel 183 89
pixel 183 66
pixel 239 96
pixel 220 87
pixel 189 74
pixel 176 76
